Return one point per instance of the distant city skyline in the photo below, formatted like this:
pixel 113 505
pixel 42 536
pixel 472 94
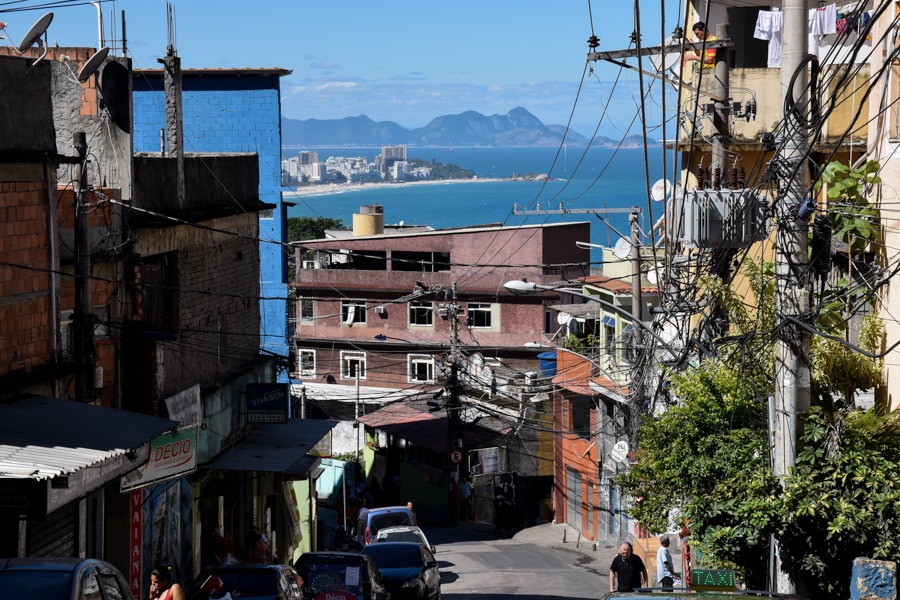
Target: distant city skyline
pixel 406 62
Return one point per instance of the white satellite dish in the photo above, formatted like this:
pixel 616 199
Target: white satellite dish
pixel 653 275
pixel 92 64
pixel 661 189
pixel 622 248
pixel 563 317
pixel 664 62
pixel 34 34
pixel 619 451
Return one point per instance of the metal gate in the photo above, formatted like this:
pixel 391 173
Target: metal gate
pixel 573 498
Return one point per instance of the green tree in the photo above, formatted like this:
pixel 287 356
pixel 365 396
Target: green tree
pixel 310 228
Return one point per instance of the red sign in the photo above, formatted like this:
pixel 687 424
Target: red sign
pixel 456 457
pixel 134 542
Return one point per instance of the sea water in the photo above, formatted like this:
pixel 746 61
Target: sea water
pixel 597 178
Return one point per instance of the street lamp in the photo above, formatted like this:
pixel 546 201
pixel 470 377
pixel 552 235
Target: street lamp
pixel 523 286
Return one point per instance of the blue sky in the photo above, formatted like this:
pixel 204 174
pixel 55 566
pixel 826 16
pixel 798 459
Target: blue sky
pixel 404 61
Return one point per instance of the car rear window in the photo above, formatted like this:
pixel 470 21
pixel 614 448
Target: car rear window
pixel 390 556
pixel 400 536
pixel 48 585
pixel 393 519
pixel 246 582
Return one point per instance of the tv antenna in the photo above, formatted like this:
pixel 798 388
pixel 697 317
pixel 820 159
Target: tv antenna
pixel 34 35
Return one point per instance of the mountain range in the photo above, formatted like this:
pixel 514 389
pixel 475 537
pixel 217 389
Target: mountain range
pixel 518 127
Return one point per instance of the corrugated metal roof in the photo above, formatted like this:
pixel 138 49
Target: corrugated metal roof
pixel 277 448
pixel 42 437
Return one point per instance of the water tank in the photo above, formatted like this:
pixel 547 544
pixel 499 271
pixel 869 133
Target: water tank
pixel 369 220
pixel 547 361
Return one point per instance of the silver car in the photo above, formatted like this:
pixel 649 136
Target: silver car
pixel 404 533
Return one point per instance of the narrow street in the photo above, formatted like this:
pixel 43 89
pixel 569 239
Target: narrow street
pixel 481 565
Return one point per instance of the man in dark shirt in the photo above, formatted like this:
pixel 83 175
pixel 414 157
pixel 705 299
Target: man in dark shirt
pixel 628 569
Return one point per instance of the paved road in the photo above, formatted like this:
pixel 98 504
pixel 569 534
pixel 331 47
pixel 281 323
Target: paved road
pixel 477 566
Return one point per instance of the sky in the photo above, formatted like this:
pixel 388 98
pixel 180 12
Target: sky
pixel 404 61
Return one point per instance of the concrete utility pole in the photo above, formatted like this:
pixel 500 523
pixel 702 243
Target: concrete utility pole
pixel 792 387
pixel 721 134
pixel 83 316
pixel 454 418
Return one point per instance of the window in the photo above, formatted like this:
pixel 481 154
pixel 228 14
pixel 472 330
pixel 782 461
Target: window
pixel 421 312
pixel 421 368
pixel 353 364
pixel 479 314
pixel 353 311
pixel 306 363
pixel 268 213
pixel 305 306
pixel 581 416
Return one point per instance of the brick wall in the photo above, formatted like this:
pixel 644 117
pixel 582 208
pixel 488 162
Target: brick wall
pixel 25 285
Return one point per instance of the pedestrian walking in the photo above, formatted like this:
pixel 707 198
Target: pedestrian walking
pixel 162 587
pixel 465 497
pixel 627 571
pixel 665 572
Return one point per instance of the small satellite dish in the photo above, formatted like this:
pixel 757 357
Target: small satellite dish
pixel 653 276
pixel 92 64
pixel 664 62
pixel 619 451
pixel 661 189
pixel 563 318
pixel 622 248
pixel 34 34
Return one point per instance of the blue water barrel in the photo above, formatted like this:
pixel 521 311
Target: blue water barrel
pixel 547 360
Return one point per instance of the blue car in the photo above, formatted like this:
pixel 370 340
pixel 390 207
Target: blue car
pixel 409 570
pixel 61 579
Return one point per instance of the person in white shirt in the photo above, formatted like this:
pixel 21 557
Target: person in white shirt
pixel 665 572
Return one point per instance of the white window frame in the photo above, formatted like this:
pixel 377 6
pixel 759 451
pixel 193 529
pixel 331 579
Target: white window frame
pixel 301 315
pixel 347 357
pixel 300 370
pixel 425 308
pixel 358 308
pixel 417 359
pixel 480 308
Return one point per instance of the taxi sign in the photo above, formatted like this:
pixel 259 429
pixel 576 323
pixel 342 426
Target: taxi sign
pixel 718 580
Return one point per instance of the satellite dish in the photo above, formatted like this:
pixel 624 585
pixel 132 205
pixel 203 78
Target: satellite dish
pixel 619 451
pixel 34 34
pixel 563 317
pixel 661 189
pixel 92 64
pixel 653 276
pixel 664 62
pixel 622 248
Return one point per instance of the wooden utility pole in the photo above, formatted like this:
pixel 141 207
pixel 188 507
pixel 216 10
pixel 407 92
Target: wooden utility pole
pixel 792 386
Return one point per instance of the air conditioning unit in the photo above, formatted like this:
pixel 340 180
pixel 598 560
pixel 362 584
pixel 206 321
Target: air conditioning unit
pixel 309 264
pixel 381 310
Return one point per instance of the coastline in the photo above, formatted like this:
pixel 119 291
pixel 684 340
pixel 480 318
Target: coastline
pixel 340 188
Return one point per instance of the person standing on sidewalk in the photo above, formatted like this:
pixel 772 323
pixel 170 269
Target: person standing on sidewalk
pixel 665 572
pixel 627 570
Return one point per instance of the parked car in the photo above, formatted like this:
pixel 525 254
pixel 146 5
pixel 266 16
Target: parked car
pixel 371 520
pixel 62 579
pixel 340 576
pixel 409 570
pixel 406 533
pixel 247 582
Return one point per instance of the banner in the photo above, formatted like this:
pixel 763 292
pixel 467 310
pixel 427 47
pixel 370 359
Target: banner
pixel 171 455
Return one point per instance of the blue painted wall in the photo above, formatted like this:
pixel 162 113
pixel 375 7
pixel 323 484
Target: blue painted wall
pixel 233 114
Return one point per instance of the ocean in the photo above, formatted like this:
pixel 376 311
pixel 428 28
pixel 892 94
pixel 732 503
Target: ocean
pixel 596 178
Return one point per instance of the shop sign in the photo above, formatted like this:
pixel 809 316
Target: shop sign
pixel 268 402
pixel 135 527
pixel 171 456
pixel 92 477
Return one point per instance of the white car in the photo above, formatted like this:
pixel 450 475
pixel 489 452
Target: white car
pixel 404 533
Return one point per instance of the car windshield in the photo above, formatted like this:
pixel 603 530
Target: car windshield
pixel 391 556
pixel 36 584
pixel 400 536
pixel 388 520
pixel 245 581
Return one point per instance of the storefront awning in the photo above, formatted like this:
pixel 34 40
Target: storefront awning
pixel 277 448
pixel 42 438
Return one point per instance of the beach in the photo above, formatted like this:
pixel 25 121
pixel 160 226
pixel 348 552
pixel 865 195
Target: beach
pixel 340 188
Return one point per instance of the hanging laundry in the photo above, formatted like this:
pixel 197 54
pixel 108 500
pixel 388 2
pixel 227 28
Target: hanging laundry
pixel 822 21
pixel 769 25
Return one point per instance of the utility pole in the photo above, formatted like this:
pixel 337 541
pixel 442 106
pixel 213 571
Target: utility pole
pixel 174 109
pixel 83 323
pixel 792 387
pixel 454 418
